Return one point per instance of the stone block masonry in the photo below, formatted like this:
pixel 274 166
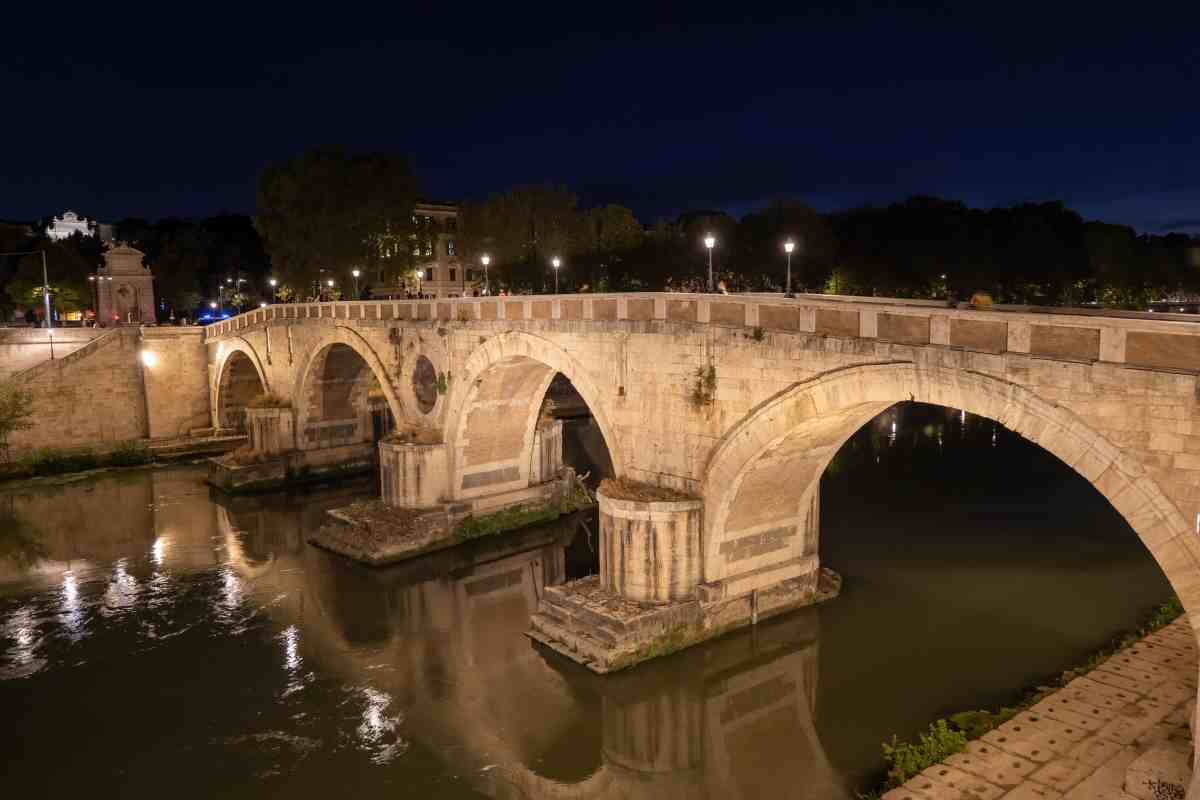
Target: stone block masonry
pixel 107 391
pixel 718 396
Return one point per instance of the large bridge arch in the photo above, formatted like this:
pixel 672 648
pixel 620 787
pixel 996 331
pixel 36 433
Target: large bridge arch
pixel 791 438
pixel 239 378
pixel 494 406
pixel 358 365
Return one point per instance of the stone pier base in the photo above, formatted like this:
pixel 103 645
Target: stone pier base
pixel 648 600
pixel 606 632
pixel 267 472
pixel 376 533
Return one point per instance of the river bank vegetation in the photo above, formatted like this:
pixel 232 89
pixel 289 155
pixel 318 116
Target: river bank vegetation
pixel 949 735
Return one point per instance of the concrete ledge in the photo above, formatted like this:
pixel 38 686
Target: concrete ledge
pixel 606 632
pixel 763 577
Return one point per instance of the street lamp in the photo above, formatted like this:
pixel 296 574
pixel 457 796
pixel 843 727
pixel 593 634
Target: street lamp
pixel 95 300
pixel 485 259
pixel 557 262
pixel 710 242
pixel 788 247
pixel 45 280
pixel 273 283
pixel 355 273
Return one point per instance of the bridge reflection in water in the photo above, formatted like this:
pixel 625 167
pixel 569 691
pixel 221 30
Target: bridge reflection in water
pixel 434 651
pixel 731 720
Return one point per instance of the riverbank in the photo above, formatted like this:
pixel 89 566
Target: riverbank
pixel 49 465
pixel 1120 731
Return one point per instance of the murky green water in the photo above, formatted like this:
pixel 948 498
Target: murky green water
pixel 156 638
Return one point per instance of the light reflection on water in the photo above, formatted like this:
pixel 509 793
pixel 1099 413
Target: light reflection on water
pixel 174 630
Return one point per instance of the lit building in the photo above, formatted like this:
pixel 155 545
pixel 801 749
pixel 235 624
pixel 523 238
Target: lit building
pixel 125 289
pixel 68 225
pixel 440 270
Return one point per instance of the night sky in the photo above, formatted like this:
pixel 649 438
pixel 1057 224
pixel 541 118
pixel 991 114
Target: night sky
pixel 174 112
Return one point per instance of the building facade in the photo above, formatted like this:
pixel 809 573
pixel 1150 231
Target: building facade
pixel 440 269
pixel 124 289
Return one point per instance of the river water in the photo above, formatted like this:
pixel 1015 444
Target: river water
pixel 156 637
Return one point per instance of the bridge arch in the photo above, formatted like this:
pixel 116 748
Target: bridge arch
pixel 239 379
pixel 335 382
pixel 495 403
pixel 789 440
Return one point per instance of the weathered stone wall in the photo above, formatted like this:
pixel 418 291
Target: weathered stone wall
pixel 743 400
pixel 176 380
pixel 105 391
pixel 22 348
pixel 93 396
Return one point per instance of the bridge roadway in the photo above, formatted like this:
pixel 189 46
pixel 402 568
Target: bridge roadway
pixel 740 400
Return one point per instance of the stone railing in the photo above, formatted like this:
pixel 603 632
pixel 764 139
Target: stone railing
pixel 1154 341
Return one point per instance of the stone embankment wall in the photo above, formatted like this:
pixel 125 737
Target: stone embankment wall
pixel 22 348
pixel 105 392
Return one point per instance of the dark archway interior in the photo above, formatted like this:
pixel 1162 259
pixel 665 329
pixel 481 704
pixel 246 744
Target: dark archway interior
pixel 346 389
pixel 976 565
pixel 584 447
pixel 585 450
pixel 240 385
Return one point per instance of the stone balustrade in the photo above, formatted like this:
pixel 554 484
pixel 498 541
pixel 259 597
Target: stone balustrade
pixel 1154 341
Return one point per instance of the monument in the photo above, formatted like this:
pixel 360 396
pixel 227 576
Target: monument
pixel 125 288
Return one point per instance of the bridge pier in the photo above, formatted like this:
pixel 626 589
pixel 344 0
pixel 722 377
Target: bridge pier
pixel 649 599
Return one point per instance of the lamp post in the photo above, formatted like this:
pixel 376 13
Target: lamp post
pixel 557 262
pixel 788 247
pixel 355 273
pixel 710 242
pixel 45 281
pixel 485 259
pixel 273 283
pixel 95 300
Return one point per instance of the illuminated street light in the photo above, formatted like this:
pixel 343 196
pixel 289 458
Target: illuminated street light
pixel 355 273
pixel 788 247
pixel 710 242
pixel 330 282
pixel 273 283
pixel 485 259
pixel 557 262
pixel 213 306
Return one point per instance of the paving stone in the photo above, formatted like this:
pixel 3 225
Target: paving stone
pixel 1118 695
pixel 1034 747
pixel 1160 765
pixel 963 781
pixel 1061 709
pixel 992 764
pixel 904 792
pixel 1129 683
pixel 1134 721
pixel 1033 791
pixel 1027 722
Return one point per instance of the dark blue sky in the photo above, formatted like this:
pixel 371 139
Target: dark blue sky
pixel 165 112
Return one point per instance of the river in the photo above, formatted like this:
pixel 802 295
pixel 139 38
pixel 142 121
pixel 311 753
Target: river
pixel 156 637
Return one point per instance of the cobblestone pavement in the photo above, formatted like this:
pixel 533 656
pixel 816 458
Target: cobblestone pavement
pixel 1118 733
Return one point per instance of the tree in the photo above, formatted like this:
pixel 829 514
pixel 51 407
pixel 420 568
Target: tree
pixel 761 235
pixel 69 264
pixel 521 230
pixel 334 210
pixel 16 408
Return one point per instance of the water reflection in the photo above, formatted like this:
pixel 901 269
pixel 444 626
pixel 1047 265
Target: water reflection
pixel 176 627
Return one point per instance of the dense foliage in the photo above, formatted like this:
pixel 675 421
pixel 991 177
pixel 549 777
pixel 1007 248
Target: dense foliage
pixel 329 211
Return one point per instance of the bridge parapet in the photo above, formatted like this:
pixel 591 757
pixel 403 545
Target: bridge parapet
pixel 1152 341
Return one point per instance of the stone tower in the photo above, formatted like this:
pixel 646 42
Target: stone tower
pixel 125 288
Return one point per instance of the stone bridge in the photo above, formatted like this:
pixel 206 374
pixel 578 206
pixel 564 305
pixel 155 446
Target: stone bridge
pixel 740 401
